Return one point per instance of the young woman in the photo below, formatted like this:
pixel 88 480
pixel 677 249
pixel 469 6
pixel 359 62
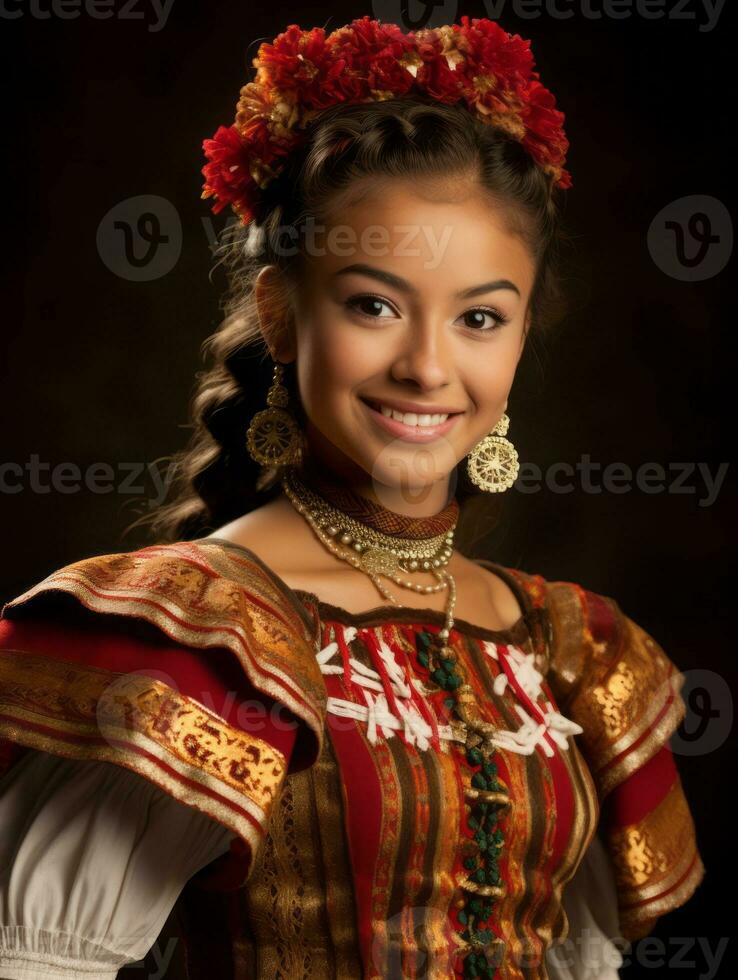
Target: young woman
pixel 470 779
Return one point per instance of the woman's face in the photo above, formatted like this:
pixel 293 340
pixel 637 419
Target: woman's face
pixel 415 301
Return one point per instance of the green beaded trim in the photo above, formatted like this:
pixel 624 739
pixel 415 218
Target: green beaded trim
pixel 483 956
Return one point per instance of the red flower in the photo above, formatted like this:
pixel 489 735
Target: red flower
pixel 544 137
pixel 227 175
pixel 302 72
pixel 491 49
pixel 370 54
pixel 436 76
pixel 303 67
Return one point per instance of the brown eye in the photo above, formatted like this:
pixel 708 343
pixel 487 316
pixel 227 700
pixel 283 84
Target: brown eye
pixel 368 305
pixel 477 317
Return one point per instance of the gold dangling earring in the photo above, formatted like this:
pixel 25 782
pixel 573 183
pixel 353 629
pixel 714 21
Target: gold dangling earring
pixel 492 464
pixel 274 438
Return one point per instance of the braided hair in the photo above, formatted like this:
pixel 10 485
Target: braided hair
pixel 215 479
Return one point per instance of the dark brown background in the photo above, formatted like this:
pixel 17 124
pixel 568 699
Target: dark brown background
pixel 100 368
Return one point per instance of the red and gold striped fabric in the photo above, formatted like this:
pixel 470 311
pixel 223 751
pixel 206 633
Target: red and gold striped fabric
pixel 355 804
pixel 151 660
pixel 616 681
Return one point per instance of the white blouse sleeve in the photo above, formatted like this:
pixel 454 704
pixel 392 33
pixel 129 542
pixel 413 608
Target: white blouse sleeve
pixel 590 901
pixel 92 860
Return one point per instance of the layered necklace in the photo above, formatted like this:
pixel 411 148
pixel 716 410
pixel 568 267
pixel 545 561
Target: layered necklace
pixel 377 541
pixel 380 542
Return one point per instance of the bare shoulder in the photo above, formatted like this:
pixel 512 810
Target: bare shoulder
pixel 278 535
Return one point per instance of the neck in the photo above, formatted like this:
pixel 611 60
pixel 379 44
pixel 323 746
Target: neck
pixel 426 500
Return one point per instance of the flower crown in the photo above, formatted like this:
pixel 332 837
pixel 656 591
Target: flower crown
pixel 302 72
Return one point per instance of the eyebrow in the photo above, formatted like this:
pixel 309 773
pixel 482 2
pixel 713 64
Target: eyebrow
pixel 404 286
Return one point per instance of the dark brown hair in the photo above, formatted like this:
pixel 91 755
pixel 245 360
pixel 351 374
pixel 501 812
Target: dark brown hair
pixel 347 148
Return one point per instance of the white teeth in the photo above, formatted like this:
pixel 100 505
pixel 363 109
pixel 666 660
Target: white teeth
pixel 411 418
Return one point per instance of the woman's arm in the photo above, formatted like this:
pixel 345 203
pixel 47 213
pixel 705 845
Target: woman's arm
pixel 155 708
pixel 92 860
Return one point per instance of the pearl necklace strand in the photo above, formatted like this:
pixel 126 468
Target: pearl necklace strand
pixel 365 550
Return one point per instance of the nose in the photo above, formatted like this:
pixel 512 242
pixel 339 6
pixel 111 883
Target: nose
pixel 424 357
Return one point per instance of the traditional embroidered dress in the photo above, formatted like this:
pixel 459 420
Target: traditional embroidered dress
pixel 292 770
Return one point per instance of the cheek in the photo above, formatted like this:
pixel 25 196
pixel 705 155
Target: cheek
pixel 489 379
pixel 330 364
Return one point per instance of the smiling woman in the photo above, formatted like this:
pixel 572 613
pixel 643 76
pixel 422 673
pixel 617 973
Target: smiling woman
pixel 456 788
pixel 425 345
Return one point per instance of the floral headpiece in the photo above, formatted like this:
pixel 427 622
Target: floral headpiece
pixel 302 72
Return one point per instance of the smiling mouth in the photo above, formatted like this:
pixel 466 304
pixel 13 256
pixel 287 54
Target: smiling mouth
pixel 407 432
pixel 382 409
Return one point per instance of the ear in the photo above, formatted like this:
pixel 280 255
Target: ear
pixel 275 318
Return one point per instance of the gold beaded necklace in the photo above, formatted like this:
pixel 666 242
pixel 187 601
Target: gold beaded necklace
pixel 375 553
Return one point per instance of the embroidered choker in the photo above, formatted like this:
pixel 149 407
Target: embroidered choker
pixel 373 514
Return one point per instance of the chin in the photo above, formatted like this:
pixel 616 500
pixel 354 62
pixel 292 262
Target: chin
pixel 413 475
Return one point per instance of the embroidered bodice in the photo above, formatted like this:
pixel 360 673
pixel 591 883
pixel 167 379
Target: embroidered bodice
pixel 366 838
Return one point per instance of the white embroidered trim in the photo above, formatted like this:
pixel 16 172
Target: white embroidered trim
pixel 380 719
pixel 376 713
pixel 530 733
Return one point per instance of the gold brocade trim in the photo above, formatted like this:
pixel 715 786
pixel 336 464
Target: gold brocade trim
pixel 652 857
pixel 615 688
pixel 325 807
pixel 299 918
pixel 138 722
pixel 658 737
pixel 669 691
pixel 584 829
pixel 569 654
pixel 203 595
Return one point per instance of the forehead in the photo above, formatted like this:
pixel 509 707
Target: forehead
pixel 426 231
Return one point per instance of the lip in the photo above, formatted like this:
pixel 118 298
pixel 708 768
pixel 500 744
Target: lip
pixel 419 409
pixel 411 433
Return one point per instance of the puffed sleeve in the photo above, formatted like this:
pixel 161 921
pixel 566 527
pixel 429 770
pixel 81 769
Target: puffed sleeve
pixel 92 860
pixel 188 664
pixel 615 680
